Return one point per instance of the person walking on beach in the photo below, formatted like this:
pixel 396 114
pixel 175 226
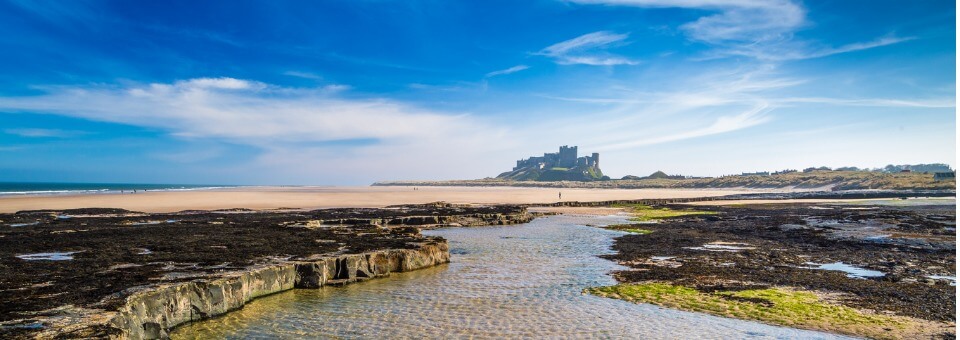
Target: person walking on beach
pixel 560 195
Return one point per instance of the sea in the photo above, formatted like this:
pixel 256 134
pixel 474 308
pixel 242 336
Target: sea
pixel 51 188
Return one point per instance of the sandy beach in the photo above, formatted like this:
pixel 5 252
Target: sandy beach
pixel 331 197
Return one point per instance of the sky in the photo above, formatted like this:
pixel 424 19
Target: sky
pixel 352 92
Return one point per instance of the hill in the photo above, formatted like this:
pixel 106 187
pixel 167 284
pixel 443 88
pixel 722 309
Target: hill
pixel 825 179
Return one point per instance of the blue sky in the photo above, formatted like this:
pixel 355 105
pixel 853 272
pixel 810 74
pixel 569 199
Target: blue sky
pixel 350 92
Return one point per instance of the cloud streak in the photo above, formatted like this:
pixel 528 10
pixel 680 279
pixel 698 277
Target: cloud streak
pixel 872 102
pixel 304 75
pixel 732 20
pixel 760 29
pixel 44 133
pixel 723 124
pixel 794 50
pixel 245 111
pixel 583 50
pixel 511 70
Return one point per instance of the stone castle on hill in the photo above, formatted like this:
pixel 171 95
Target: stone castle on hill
pixel 559 166
pixel 566 158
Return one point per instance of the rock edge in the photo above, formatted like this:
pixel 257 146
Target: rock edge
pixel 151 313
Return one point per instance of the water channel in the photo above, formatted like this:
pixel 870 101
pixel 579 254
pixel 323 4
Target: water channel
pixel 520 281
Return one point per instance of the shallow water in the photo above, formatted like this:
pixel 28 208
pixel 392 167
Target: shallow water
pixel 852 271
pixel 723 246
pixel 52 256
pixel 953 279
pixel 503 282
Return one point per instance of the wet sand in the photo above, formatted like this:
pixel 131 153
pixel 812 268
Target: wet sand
pixel 336 197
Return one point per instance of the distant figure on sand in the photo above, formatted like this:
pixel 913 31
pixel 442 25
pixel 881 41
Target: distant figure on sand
pixel 560 195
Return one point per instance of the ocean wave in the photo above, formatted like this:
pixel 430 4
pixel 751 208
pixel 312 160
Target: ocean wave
pixel 51 192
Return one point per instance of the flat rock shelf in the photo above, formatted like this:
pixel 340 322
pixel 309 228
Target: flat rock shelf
pixel 124 274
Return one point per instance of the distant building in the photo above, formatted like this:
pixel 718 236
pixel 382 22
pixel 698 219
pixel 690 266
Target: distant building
pixel 945 176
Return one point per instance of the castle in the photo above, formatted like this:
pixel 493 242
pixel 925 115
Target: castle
pixel 566 158
pixel 558 166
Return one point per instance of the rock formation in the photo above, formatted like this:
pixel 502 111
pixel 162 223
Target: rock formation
pixel 137 275
pixel 151 313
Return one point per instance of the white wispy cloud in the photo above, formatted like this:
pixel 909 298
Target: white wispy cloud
pixel 698 99
pixel 723 124
pixel 732 20
pixel 584 42
pixel 761 29
pixel 633 119
pixel 721 102
pixel 584 50
pixel 305 75
pixel 884 41
pixel 873 102
pixel 48 133
pixel 458 86
pixel 222 83
pixel 799 50
pixel 596 61
pixel 510 70
pixel 298 132
pixel 242 110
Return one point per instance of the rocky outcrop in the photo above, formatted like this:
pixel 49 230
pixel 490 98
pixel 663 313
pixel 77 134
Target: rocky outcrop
pixel 127 266
pixel 152 312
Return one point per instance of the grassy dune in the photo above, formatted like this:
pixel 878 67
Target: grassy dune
pixel 838 180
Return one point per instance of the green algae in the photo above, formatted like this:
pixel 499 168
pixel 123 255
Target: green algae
pixel 778 306
pixel 643 213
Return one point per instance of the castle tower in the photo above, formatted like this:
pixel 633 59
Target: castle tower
pixel 596 160
pixel 568 157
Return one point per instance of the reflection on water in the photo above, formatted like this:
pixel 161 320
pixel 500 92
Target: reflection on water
pixel 511 281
